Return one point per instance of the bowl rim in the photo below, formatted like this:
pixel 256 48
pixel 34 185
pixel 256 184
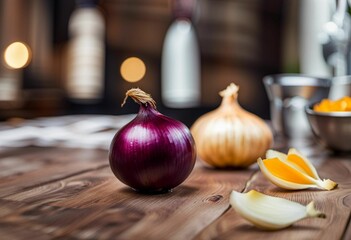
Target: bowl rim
pixel 309 110
pixel 295 79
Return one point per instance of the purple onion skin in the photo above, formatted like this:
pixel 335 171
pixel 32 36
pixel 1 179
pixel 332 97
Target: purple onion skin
pixel 153 153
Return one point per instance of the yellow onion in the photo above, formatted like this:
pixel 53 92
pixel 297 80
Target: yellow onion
pixel 229 136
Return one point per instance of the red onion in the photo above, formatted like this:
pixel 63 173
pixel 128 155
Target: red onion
pixel 152 153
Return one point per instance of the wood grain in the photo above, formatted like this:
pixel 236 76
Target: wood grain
pixel 335 203
pixel 49 193
pixel 27 169
pixel 95 205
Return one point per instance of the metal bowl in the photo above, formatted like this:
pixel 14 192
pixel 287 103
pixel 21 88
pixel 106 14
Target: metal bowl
pixel 333 129
pixel 288 95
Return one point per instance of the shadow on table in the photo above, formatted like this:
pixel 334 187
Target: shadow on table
pixel 252 229
pixel 181 191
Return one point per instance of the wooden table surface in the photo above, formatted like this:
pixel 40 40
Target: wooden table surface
pixel 63 193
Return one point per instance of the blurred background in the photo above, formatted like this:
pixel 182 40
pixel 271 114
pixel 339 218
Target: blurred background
pixel 64 57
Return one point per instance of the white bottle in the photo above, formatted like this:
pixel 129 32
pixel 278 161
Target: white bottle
pixel 86 57
pixel 181 66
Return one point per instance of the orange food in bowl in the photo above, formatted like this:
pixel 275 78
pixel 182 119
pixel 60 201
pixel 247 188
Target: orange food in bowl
pixel 341 105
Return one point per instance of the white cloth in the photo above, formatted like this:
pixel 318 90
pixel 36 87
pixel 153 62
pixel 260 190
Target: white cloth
pixel 76 131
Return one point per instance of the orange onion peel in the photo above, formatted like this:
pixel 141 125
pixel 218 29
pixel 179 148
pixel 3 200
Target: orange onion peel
pixel 340 105
pixel 292 171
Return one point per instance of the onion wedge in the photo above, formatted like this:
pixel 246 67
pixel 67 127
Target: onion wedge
pixel 292 171
pixel 271 213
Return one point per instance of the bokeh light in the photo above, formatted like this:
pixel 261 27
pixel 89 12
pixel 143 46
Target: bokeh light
pixel 17 55
pixel 133 69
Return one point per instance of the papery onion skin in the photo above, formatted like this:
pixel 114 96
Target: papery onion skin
pixel 152 153
pixel 229 136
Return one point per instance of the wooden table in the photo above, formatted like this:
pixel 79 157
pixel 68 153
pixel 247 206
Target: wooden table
pixel 58 193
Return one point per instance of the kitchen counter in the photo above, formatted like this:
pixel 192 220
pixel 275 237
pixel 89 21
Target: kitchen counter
pixel 71 193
